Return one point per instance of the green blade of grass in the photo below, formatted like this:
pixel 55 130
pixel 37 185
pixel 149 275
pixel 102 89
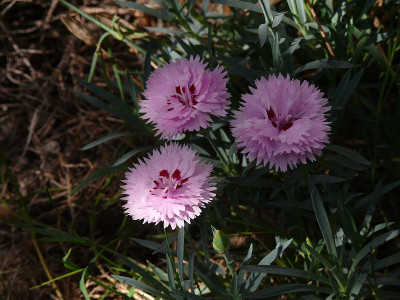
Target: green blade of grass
pixel 322 218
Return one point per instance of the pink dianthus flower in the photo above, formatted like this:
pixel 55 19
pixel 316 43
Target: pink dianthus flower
pixel 282 122
pixel 183 95
pixel 171 186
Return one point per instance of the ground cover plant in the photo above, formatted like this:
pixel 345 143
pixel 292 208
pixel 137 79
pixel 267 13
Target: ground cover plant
pixel 257 154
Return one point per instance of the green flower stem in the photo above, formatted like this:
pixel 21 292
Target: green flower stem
pixel 171 258
pixel 229 262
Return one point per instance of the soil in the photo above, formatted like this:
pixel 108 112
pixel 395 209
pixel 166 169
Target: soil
pixel 43 124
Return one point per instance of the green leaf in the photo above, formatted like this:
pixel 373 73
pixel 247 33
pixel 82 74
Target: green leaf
pixel 344 90
pixel 146 276
pixel 263 33
pixel 140 285
pixel 318 256
pixel 99 173
pixel 250 181
pixel 372 245
pixel 323 64
pixel 240 4
pixel 106 95
pixel 106 139
pixel 278 270
pixel 301 10
pixel 254 280
pixel 82 284
pixel 132 91
pixel 187 295
pixel 211 280
pixel 191 268
pixel 143 8
pixel 287 289
pixel 180 249
pixel 358 158
pixel 156 247
pixel 147 67
pixel 242 272
pixel 361 8
pixel 170 271
pixel 130 154
pixel 322 217
pixel 387 261
pixel 123 115
pixel 277 19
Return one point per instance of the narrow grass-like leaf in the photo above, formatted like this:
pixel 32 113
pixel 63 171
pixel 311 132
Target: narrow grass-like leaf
pixel 277 19
pixel 234 286
pixel 170 271
pixel 301 10
pixel 372 245
pixel 321 178
pixel 322 217
pixel 132 91
pixel 96 56
pixel 106 95
pixel 387 261
pixel 140 285
pixel 266 8
pixel 159 273
pixel 254 280
pixel 191 268
pixel 263 33
pixel 318 256
pixel 361 8
pixel 240 4
pixel 287 289
pixel 166 30
pixel 146 276
pixel 209 278
pixel 123 115
pixel 163 247
pixel 357 157
pixel 340 90
pixel 379 227
pixel 143 8
pixel 261 182
pixel 82 284
pixel 130 154
pixel 148 244
pixel 115 70
pixel 323 64
pixel 344 93
pixel 187 295
pixel 106 139
pixel 242 272
pixel 187 47
pixel 98 174
pixel 356 287
pixel 147 67
pixel 204 240
pixel 180 250
pixel 286 271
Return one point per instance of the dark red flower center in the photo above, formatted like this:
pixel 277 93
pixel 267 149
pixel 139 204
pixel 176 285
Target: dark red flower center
pixel 185 95
pixel 278 122
pixel 165 183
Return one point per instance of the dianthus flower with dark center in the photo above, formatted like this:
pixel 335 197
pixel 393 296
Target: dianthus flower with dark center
pixel 183 95
pixel 171 186
pixel 282 122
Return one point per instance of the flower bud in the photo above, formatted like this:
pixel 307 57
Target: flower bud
pixel 221 242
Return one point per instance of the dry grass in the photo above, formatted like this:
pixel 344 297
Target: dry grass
pixel 43 123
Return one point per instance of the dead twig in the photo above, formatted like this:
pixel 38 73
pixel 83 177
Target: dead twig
pixel 328 45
